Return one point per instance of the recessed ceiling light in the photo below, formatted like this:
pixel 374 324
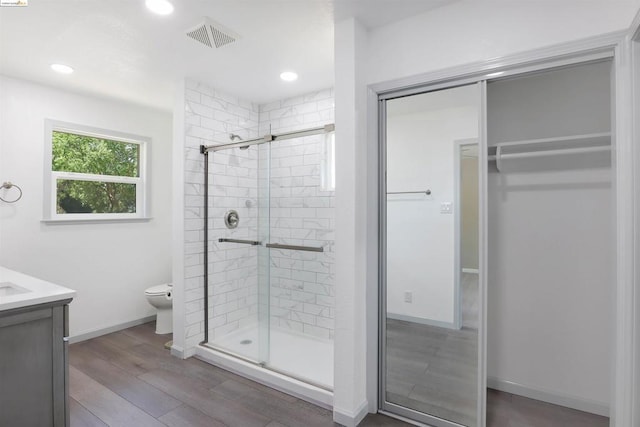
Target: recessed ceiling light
pixel 496 74
pixel 289 76
pixel 161 7
pixel 61 68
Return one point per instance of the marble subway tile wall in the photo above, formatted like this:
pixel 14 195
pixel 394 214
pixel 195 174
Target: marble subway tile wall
pixel 211 116
pixel 302 283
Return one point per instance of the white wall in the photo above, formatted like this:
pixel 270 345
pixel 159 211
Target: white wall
pixel 469 31
pixel 109 264
pixel 354 224
pixel 420 239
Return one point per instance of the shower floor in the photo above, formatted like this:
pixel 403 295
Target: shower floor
pixel 300 356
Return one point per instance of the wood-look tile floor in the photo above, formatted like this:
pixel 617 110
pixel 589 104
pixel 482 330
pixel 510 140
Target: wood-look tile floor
pixel 128 379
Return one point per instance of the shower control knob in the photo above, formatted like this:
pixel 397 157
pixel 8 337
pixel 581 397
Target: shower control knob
pixel 231 219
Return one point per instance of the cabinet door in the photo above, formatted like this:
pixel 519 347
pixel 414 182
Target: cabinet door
pixel 26 369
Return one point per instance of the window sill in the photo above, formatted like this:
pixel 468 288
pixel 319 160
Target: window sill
pixel 94 221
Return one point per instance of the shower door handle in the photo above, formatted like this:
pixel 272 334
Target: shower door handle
pixel 246 242
pixel 295 248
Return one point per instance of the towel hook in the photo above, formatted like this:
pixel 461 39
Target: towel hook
pixel 8 185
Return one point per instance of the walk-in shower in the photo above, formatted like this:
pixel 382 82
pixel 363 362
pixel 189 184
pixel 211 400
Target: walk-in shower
pixel 269 256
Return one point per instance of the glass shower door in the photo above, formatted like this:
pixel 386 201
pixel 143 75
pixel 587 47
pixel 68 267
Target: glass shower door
pixel 302 258
pixel 271 257
pixel 238 260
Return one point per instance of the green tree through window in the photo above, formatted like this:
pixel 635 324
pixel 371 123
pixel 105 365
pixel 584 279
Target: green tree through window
pixel 91 157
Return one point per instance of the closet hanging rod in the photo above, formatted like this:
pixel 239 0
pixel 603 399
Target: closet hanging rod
pixel 603 141
pixel 601 137
pixel 548 153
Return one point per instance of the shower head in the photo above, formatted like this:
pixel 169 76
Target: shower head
pixel 233 137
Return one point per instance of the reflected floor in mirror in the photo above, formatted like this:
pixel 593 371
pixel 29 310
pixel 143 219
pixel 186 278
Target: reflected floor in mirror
pixel 432 369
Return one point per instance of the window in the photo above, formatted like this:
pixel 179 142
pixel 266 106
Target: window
pixel 328 163
pixel 94 174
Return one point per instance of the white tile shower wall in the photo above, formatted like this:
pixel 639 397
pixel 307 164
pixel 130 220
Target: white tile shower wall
pixel 210 118
pixel 302 213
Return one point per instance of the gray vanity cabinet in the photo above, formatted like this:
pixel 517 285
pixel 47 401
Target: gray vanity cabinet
pixel 33 366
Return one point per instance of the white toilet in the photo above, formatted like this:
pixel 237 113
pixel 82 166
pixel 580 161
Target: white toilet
pixel 161 297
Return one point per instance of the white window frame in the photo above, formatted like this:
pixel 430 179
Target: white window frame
pixel 328 162
pixel 51 177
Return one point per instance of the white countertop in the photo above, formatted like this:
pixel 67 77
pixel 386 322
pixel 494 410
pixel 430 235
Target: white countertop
pixel 19 290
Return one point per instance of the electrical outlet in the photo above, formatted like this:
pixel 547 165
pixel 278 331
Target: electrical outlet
pixel 408 296
pixel 446 207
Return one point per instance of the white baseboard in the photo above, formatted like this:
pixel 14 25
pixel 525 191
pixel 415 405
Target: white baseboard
pixel 349 419
pixel 549 396
pixel 471 270
pixel 180 352
pixel 421 320
pixel 109 329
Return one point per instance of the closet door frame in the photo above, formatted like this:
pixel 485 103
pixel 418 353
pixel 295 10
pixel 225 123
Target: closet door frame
pixel 633 56
pixel 390 408
pixel 625 347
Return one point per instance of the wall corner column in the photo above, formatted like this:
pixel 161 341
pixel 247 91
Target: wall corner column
pixel 177 226
pixel 352 218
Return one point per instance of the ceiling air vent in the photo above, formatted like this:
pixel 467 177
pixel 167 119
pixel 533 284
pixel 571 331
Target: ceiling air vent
pixel 212 34
pixel 200 34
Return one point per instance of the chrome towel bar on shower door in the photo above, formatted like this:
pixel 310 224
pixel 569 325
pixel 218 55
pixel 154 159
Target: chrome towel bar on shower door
pixel 295 248
pixel 245 242
pixel 274 245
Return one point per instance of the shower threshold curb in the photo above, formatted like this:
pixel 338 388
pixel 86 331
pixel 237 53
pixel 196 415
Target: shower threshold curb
pixel 310 393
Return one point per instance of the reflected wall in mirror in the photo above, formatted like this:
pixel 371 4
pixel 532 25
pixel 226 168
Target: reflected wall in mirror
pixel 430 334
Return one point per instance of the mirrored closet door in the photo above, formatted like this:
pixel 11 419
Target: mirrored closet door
pixel 429 369
pixel 500 238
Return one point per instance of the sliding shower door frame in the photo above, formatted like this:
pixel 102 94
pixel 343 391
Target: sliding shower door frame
pixel 263 291
pixel 263 339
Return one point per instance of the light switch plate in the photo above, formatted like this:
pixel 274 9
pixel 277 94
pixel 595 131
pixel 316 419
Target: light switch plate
pixel 446 207
pixel 408 296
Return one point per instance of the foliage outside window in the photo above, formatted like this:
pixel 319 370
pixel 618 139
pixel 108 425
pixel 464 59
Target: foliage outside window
pixel 95 174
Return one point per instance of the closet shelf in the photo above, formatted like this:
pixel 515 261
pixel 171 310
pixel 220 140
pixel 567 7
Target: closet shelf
pixel 574 144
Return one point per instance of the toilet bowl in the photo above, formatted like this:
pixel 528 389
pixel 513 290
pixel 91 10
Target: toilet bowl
pixel 161 297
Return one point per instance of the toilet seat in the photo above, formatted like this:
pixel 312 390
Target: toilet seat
pixel 159 290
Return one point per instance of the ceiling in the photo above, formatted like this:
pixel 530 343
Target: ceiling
pixel 119 49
